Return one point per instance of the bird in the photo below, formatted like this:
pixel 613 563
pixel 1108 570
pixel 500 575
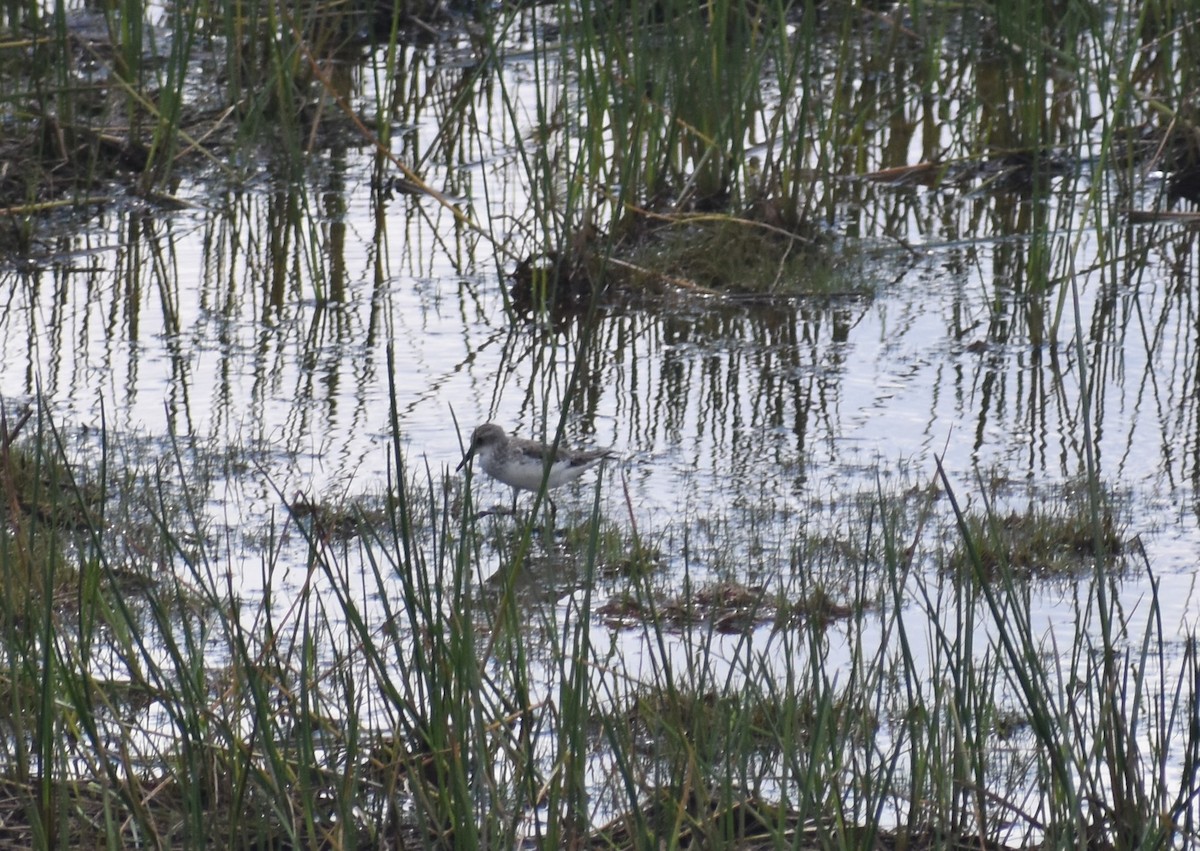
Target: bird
pixel 521 463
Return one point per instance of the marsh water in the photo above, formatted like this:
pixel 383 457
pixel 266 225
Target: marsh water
pixel 154 328
pixel 251 343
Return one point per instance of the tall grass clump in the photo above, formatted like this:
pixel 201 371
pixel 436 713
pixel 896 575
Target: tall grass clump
pixel 1104 710
pixel 653 120
pixel 129 92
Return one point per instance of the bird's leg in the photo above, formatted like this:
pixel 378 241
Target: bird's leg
pixel 514 508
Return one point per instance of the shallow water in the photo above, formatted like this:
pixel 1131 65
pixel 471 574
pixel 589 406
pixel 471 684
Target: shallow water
pixel 738 421
pixel 789 398
pixel 713 403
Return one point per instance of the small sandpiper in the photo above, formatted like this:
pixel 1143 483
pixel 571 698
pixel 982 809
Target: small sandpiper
pixel 521 464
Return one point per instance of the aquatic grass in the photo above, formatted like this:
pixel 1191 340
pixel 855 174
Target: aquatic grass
pixel 169 108
pixel 740 738
pixel 116 91
pixel 440 712
pixel 728 255
pixel 184 738
pixel 403 692
pixel 649 139
pixel 1056 534
pixel 937 733
pixel 598 163
pixel 784 124
pixel 1090 714
pixel 1099 789
pixel 777 157
pixel 1010 121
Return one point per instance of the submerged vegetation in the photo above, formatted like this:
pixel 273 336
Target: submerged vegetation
pixel 339 672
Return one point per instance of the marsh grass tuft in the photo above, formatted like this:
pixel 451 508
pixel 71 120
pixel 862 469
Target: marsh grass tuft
pixel 45 509
pixel 617 553
pixel 738 256
pixel 1052 537
pixel 340 519
pixel 728 607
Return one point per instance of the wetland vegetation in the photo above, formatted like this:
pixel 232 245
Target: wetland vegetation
pixel 263 260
